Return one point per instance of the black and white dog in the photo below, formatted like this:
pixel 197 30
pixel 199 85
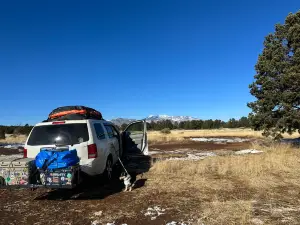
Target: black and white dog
pixel 129 180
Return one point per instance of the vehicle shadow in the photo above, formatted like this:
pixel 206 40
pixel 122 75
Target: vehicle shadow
pixel 90 190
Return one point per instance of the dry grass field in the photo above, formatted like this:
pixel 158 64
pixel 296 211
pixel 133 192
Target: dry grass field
pixel 178 135
pixel 181 135
pixel 249 189
pixel 14 139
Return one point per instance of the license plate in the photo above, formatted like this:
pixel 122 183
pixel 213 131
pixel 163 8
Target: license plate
pixel 47 149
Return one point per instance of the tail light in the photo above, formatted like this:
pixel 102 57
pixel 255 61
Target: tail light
pixel 25 153
pixel 92 151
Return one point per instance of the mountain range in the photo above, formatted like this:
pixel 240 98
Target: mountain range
pixel 154 118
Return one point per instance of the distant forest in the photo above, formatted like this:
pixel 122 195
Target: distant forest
pixel 16 130
pixel 197 124
pixel 187 125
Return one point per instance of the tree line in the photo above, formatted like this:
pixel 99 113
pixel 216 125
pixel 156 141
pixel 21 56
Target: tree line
pixel 16 130
pixel 159 125
pixel 196 124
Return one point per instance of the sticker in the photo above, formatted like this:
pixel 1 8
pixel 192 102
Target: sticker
pixel 69 175
pixel 55 180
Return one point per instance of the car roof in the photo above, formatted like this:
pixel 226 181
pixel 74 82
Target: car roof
pixel 69 122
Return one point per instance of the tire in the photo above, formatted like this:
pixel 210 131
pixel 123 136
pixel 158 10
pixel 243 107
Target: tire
pixel 2 181
pixel 108 173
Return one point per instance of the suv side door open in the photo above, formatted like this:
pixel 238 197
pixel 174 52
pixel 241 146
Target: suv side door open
pixel 135 138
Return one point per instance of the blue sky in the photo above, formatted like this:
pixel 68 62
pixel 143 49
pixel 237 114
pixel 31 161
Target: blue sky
pixel 132 58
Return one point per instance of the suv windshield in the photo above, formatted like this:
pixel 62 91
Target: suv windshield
pixel 62 134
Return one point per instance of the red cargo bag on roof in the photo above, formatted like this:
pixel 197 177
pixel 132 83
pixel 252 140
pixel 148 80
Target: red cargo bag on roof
pixel 74 113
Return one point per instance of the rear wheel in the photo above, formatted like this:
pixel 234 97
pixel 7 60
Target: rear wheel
pixel 108 169
pixel 2 181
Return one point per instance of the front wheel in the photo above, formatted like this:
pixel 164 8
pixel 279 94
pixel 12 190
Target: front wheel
pixel 108 169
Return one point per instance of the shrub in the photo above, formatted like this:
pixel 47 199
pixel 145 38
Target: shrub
pixel 166 131
pixel 2 133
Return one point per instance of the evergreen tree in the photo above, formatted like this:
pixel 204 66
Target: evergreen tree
pixel 2 133
pixel 277 81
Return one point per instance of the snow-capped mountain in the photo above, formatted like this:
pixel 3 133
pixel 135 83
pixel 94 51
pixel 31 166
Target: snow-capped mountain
pixel 120 121
pixel 154 118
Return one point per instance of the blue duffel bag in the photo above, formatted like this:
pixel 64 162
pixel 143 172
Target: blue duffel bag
pixel 55 159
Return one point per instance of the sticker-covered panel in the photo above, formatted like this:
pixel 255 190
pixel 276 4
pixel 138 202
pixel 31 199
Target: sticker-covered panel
pixel 60 177
pixel 15 176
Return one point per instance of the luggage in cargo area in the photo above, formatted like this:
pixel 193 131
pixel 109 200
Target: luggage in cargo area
pixel 17 171
pixel 74 113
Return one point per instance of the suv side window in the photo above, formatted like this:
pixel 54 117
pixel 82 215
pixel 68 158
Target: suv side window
pixel 99 131
pixel 116 133
pixel 109 131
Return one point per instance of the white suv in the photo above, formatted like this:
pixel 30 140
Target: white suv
pixel 98 142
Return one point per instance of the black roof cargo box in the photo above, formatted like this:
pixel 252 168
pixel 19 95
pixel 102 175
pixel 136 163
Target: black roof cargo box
pixel 74 113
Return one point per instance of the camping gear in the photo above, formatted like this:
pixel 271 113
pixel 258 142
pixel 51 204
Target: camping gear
pixel 53 159
pixel 58 167
pixel 74 113
pixel 61 178
pixel 17 171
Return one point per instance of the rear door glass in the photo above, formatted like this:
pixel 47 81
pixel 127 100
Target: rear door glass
pixel 109 131
pixel 99 131
pixel 115 131
pixel 62 134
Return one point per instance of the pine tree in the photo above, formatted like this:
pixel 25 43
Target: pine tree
pixel 277 81
pixel 2 133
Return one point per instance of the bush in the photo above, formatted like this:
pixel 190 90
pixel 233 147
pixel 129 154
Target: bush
pixel 166 131
pixel 2 133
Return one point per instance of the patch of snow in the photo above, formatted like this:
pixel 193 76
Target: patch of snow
pixel 11 156
pixel 220 140
pixel 98 213
pixel 285 209
pixel 95 222
pixel 257 221
pixel 175 223
pixel 206 154
pixel 12 146
pixel 113 223
pixel 196 156
pixel 154 152
pixel 248 151
pixel 154 212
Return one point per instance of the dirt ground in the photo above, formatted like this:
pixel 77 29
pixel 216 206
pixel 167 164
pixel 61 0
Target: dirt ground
pixel 106 203
pixel 201 146
pixel 8 151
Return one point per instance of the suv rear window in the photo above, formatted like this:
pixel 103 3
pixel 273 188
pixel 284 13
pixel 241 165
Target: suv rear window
pixel 62 134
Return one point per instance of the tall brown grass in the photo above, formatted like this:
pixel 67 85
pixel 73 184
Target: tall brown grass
pixel 231 189
pixel 181 135
pixel 14 139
